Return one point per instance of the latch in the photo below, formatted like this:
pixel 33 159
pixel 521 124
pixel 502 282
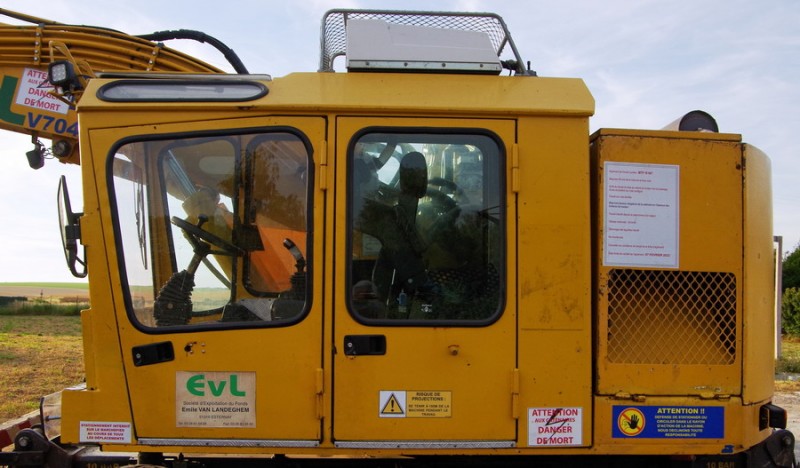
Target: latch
pixel 364 345
pixel 153 353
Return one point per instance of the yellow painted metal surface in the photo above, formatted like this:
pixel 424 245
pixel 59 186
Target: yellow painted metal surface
pixel 412 95
pixel 759 263
pixel 554 288
pixel 658 330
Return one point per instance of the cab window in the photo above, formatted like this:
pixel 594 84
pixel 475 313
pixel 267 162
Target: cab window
pixel 427 217
pixel 213 228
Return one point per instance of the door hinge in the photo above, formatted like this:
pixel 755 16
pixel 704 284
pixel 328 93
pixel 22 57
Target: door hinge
pixel 320 391
pixel 515 168
pixel 515 393
pixel 628 396
pixel 323 165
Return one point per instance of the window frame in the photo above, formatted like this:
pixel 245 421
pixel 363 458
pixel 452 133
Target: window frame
pixel 501 178
pixel 156 160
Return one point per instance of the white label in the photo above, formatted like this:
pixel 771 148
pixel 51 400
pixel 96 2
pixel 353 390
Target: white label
pixel 34 92
pixel 555 426
pixel 641 215
pixel 215 399
pixel 105 432
pixel 392 404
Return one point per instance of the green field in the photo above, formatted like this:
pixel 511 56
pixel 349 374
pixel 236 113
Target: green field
pixel 39 355
pixel 81 286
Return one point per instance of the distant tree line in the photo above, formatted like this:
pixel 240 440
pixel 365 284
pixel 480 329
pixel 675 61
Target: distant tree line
pixel 21 305
pixel 8 300
pixel 790 301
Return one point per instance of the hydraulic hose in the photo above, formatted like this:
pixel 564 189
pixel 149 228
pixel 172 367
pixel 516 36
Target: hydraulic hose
pixel 199 36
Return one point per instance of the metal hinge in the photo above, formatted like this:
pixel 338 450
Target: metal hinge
pixel 320 390
pixel 515 168
pixel 323 165
pixel 628 396
pixel 515 393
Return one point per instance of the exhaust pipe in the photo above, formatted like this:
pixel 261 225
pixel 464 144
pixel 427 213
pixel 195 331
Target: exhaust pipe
pixel 694 121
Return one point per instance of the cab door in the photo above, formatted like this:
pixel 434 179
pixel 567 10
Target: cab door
pixel 424 317
pixel 236 359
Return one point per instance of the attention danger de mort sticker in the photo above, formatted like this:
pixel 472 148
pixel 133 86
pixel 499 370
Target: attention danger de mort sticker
pixel 555 426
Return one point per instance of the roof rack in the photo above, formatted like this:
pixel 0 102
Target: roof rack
pixel 333 35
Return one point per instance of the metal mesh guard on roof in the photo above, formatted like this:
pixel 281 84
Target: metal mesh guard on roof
pixel 334 28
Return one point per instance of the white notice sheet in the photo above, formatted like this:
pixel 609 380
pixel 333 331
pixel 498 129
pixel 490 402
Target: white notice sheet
pixel 641 215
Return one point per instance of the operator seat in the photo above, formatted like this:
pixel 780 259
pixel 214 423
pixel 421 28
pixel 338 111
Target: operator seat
pixel 399 267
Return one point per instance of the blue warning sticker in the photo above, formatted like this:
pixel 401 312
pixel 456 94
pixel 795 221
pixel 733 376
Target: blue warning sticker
pixel 668 422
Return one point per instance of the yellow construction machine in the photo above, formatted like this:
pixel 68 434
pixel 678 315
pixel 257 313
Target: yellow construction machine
pixel 416 256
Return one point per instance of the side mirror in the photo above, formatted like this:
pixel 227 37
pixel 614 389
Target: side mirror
pixel 69 224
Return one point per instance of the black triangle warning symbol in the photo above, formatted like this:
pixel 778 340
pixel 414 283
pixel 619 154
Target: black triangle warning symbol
pixel 392 406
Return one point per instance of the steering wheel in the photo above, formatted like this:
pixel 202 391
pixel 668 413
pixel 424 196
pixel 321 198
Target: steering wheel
pixel 444 208
pixel 196 233
pixel 444 187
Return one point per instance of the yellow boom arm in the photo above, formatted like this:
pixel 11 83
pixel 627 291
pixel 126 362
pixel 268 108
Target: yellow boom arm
pixel 29 103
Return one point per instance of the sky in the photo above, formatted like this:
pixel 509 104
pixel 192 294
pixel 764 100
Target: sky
pixel 646 63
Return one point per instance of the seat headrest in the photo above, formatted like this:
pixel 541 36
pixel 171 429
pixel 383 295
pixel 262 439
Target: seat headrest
pixel 414 175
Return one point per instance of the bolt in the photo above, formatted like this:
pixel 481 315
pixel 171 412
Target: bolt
pixel 24 442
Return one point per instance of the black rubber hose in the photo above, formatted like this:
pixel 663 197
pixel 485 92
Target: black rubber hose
pixel 199 36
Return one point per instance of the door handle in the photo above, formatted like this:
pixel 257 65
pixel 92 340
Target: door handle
pixel 364 345
pixel 154 353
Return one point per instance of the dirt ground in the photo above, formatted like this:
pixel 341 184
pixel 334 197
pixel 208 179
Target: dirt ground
pixel 790 401
pixel 41 291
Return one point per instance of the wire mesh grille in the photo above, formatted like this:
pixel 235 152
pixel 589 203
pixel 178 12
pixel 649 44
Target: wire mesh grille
pixel 671 317
pixel 334 37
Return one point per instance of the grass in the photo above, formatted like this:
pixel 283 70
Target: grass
pixel 39 355
pixel 65 305
pixel 790 355
pixel 789 362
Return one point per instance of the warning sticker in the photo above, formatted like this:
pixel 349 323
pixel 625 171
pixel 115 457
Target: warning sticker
pixel 105 432
pixel 34 92
pixel 392 404
pixel 631 421
pixel 666 422
pixel 215 399
pixel 415 404
pixel 555 426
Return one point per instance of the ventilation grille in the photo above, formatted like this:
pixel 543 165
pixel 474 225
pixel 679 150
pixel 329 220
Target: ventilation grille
pixel 671 317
